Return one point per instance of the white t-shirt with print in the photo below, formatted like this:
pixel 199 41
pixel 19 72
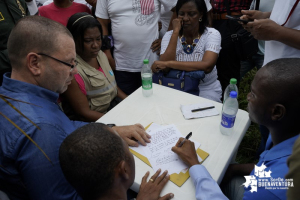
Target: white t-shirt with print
pixel 132 31
pixel 281 10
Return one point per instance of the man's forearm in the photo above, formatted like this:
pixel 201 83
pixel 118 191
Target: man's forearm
pixel 288 36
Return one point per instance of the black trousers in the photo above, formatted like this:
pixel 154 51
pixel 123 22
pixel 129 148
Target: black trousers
pixel 228 63
pixel 128 82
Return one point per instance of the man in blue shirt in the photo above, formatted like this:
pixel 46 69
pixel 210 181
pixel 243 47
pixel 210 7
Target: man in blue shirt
pixel 42 54
pixel 104 168
pixel 274 103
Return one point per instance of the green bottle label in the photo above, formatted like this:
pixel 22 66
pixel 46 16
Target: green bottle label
pixel 147 84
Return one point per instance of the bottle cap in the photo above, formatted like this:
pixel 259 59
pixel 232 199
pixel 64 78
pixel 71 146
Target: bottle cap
pixel 233 81
pixel 233 94
pixel 146 61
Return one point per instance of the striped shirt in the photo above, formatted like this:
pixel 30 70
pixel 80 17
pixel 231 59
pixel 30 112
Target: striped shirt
pixel 219 6
pixel 147 7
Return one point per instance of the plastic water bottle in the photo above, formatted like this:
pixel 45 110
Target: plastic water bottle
pixel 229 111
pixel 231 87
pixel 146 74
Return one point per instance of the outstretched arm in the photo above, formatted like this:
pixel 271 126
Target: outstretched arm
pixel 133 133
pixel 206 187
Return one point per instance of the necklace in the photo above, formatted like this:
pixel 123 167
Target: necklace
pixel 189 48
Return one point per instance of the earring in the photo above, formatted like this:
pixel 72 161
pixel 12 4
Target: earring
pixel 200 19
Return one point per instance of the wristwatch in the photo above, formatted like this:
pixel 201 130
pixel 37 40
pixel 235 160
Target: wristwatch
pixel 110 125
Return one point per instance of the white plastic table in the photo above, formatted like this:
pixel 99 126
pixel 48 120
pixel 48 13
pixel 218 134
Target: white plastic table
pixel 163 107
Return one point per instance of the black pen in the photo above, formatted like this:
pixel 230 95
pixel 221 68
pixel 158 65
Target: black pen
pixel 200 109
pixel 186 138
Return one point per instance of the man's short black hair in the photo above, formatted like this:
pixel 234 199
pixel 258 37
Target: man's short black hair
pixel 202 9
pixel 88 158
pixel 284 78
pixel 77 25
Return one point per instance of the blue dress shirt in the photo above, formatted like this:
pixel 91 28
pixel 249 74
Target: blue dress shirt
pixel 206 187
pixel 25 173
pixel 275 159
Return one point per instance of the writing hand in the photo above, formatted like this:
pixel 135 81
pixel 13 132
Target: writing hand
pixel 151 190
pixel 186 152
pixel 131 133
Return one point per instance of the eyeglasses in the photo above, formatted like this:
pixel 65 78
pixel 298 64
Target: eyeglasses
pixel 68 64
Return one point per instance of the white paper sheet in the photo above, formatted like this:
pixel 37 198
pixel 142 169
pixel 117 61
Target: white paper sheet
pixel 159 152
pixel 188 114
pixel 140 148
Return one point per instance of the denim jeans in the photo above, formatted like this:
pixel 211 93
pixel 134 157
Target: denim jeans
pixel 256 60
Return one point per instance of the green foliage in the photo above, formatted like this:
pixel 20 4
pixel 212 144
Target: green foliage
pixel 251 140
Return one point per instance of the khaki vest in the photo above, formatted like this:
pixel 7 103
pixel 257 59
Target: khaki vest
pixel 100 90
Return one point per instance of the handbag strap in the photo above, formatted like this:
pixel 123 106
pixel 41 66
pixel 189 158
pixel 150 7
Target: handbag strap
pixel 296 3
pixel 182 75
pixel 160 74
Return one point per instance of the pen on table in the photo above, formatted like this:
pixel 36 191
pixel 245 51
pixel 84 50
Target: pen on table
pixel 186 138
pixel 200 109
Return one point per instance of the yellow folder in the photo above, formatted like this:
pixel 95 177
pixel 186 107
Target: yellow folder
pixel 178 179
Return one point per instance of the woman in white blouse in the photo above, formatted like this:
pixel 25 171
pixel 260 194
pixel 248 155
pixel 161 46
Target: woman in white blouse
pixel 192 46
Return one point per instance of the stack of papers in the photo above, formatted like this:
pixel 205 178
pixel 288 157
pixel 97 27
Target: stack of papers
pixel 188 114
pixel 159 152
